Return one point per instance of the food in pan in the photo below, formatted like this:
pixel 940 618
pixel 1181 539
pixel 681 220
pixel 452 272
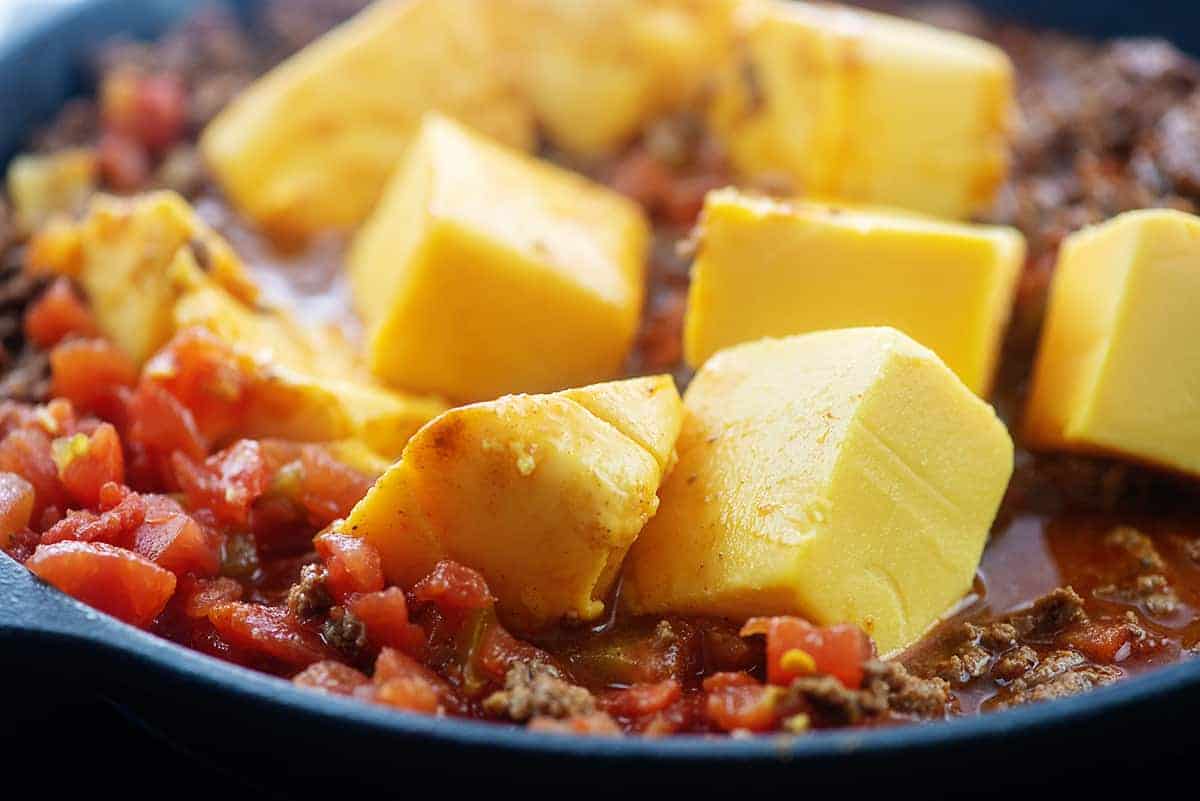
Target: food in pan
pixel 618 367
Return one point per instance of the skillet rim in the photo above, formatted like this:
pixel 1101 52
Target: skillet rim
pixel 65 622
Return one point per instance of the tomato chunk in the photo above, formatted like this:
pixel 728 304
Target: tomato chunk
pixel 201 596
pixel 160 426
pixel 738 701
pixel 404 683
pixel 385 614
pixel 85 464
pixel 16 506
pixel 641 699
pixel 110 579
pixel 796 648
pixel 27 452
pixel 328 488
pixel 57 314
pixel 354 565
pixel 454 589
pixel 1102 642
pixel 114 526
pixel 227 483
pixel 268 630
pixel 203 373
pixel 150 110
pixel 331 677
pixel 171 538
pixel 94 375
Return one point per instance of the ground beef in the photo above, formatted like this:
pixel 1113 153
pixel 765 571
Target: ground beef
pixel 24 369
pixel 1015 663
pixel 1152 592
pixel 888 687
pixel 345 632
pixel 1139 547
pixel 310 596
pixel 907 694
pixel 991 649
pixel 969 662
pixel 1058 675
pixel 538 690
pixel 1049 614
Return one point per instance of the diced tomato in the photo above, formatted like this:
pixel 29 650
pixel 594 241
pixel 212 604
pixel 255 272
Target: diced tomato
pixel 123 163
pixel 200 596
pixel 454 589
pixel 206 376
pixel 796 648
pixel 1104 642
pixel 57 314
pixel 160 426
pixel 497 651
pixel 331 677
pixel 596 723
pixel 16 506
pixel 328 488
pixel 268 630
pixel 171 538
pixel 641 699
pixel 148 109
pixel 738 701
pixel 22 544
pixel 114 526
pixel 385 614
pixel 111 579
pixel 404 683
pixel 353 564
pixel 95 375
pixel 85 464
pixel 27 453
pixel 227 483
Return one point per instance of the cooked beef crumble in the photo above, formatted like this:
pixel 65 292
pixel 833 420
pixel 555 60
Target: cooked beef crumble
pixel 538 690
pixel 888 688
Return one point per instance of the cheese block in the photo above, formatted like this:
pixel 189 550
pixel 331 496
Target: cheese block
pixel 310 146
pixel 134 258
pixel 485 272
pixel 1118 368
pixel 841 476
pixel 595 72
pixel 766 268
pixel 543 494
pixel 859 106
pixel 313 387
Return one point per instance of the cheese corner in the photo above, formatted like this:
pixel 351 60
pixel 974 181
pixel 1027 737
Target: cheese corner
pixel 1118 367
pixel 842 476
pixel 772 268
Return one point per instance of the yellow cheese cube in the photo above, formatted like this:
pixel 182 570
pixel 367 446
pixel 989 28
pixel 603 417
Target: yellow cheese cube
pixel 484 271
pixel 315 392
pixel 43 186
pixel 843 476
pixel 134 258
pixel 311 146
pixel 859 106
pixel 543 494
pixel 1118 368
pixel 596 71
pixel 767 268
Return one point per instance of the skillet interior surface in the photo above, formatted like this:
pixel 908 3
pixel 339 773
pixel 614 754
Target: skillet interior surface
pixel 226 712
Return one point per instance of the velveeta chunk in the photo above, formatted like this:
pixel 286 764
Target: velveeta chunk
pixel 842 476
pixel 1118 369
pixel 485 272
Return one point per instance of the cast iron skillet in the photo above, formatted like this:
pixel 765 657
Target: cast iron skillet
pixel 293 738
